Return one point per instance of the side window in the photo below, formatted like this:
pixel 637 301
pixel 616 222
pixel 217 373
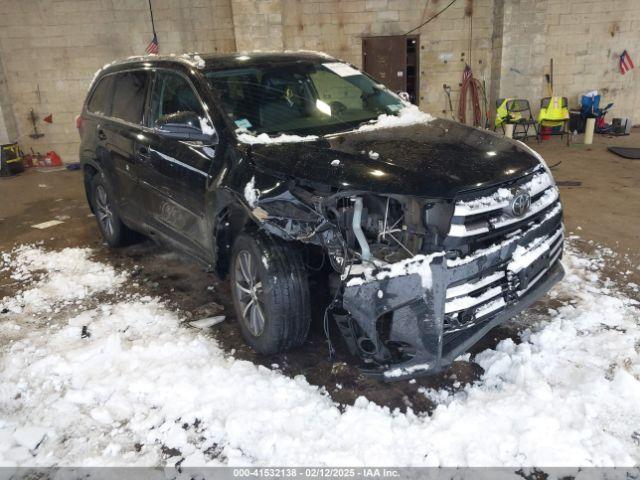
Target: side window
pixel 100 102
pixel 129 95
pixel 173 100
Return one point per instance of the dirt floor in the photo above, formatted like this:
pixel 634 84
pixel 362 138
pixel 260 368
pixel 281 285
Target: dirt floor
pixel 600 192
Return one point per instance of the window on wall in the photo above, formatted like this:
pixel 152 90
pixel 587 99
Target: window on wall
pixel 100 102
pixel 129 96
pixel 172 95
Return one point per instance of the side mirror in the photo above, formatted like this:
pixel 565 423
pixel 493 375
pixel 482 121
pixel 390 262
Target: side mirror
pixel 186 126
pixel 404 96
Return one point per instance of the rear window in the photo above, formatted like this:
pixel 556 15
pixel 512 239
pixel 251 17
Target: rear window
pixel 100 102
pixel 128 97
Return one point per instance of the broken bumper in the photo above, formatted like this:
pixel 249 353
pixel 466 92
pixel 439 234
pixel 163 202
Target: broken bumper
pixel 461 303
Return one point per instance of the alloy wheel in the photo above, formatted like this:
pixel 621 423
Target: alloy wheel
pixel 104 212
pixel 249 292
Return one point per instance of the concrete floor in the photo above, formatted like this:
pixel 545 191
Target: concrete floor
pixel 603 210
pixel 606 207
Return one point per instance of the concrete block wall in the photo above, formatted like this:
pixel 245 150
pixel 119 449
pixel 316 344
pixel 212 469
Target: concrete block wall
pixel 50 50
pixel 584 38
pixel 523 49
pixel 337 27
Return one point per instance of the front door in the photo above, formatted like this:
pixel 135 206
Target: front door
pixel 175 173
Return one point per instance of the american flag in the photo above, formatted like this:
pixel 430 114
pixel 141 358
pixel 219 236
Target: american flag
pixel 152 48
pixel 626 63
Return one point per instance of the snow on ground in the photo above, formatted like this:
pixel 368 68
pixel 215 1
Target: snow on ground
pixel 71 276
pixel 123 381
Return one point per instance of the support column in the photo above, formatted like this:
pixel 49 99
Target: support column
pixel 8 131
pixel 496 56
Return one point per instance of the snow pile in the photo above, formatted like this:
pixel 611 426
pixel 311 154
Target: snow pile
pixel 566 395
pixel 140 383
pixel 67 275
pixel 409 115
pixel 264 138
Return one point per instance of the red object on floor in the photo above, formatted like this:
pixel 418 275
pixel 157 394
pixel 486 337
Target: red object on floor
pixel 48 118
pixel 51 159
pixel 545 133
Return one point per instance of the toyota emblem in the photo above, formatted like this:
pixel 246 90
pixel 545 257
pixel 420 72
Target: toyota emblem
pixel 520 203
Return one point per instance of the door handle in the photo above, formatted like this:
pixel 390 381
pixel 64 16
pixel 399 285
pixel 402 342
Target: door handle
pixel 102 135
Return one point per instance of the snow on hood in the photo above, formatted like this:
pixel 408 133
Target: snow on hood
pixel 409 115
pixel 567 394
pixel 264 138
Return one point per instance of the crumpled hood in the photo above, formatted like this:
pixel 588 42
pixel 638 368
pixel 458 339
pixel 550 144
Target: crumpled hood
pixel 439 159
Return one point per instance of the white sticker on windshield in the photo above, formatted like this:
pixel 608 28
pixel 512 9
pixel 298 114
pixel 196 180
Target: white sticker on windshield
pixel 342 69
pixel 243 123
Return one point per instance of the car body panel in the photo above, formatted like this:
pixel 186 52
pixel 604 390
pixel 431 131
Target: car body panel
pixel 197 196
pixel 439 159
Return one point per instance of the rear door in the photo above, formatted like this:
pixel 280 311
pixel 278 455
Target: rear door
pixel 94 138
pixel 121 135
pixel 174 176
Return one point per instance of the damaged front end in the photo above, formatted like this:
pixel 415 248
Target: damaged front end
pixel 416 281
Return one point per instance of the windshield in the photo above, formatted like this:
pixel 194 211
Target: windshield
pixel 301 98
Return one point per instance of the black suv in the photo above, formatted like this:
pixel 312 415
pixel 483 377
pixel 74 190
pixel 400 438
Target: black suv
pixel 277 168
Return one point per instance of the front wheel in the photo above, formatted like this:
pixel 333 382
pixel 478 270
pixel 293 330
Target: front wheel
pixel 270 293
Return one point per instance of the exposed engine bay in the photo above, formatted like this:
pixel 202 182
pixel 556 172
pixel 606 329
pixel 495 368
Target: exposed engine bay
pixel 414 285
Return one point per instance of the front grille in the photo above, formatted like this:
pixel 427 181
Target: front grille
pixel 494 258
pixel 483 218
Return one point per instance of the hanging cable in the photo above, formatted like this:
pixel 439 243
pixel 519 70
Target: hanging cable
pixel 474 85
pixel 430 18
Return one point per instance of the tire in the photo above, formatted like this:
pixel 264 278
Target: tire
pixel 281 293
pixel 114 232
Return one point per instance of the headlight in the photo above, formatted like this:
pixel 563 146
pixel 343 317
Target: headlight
pixel 540 159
